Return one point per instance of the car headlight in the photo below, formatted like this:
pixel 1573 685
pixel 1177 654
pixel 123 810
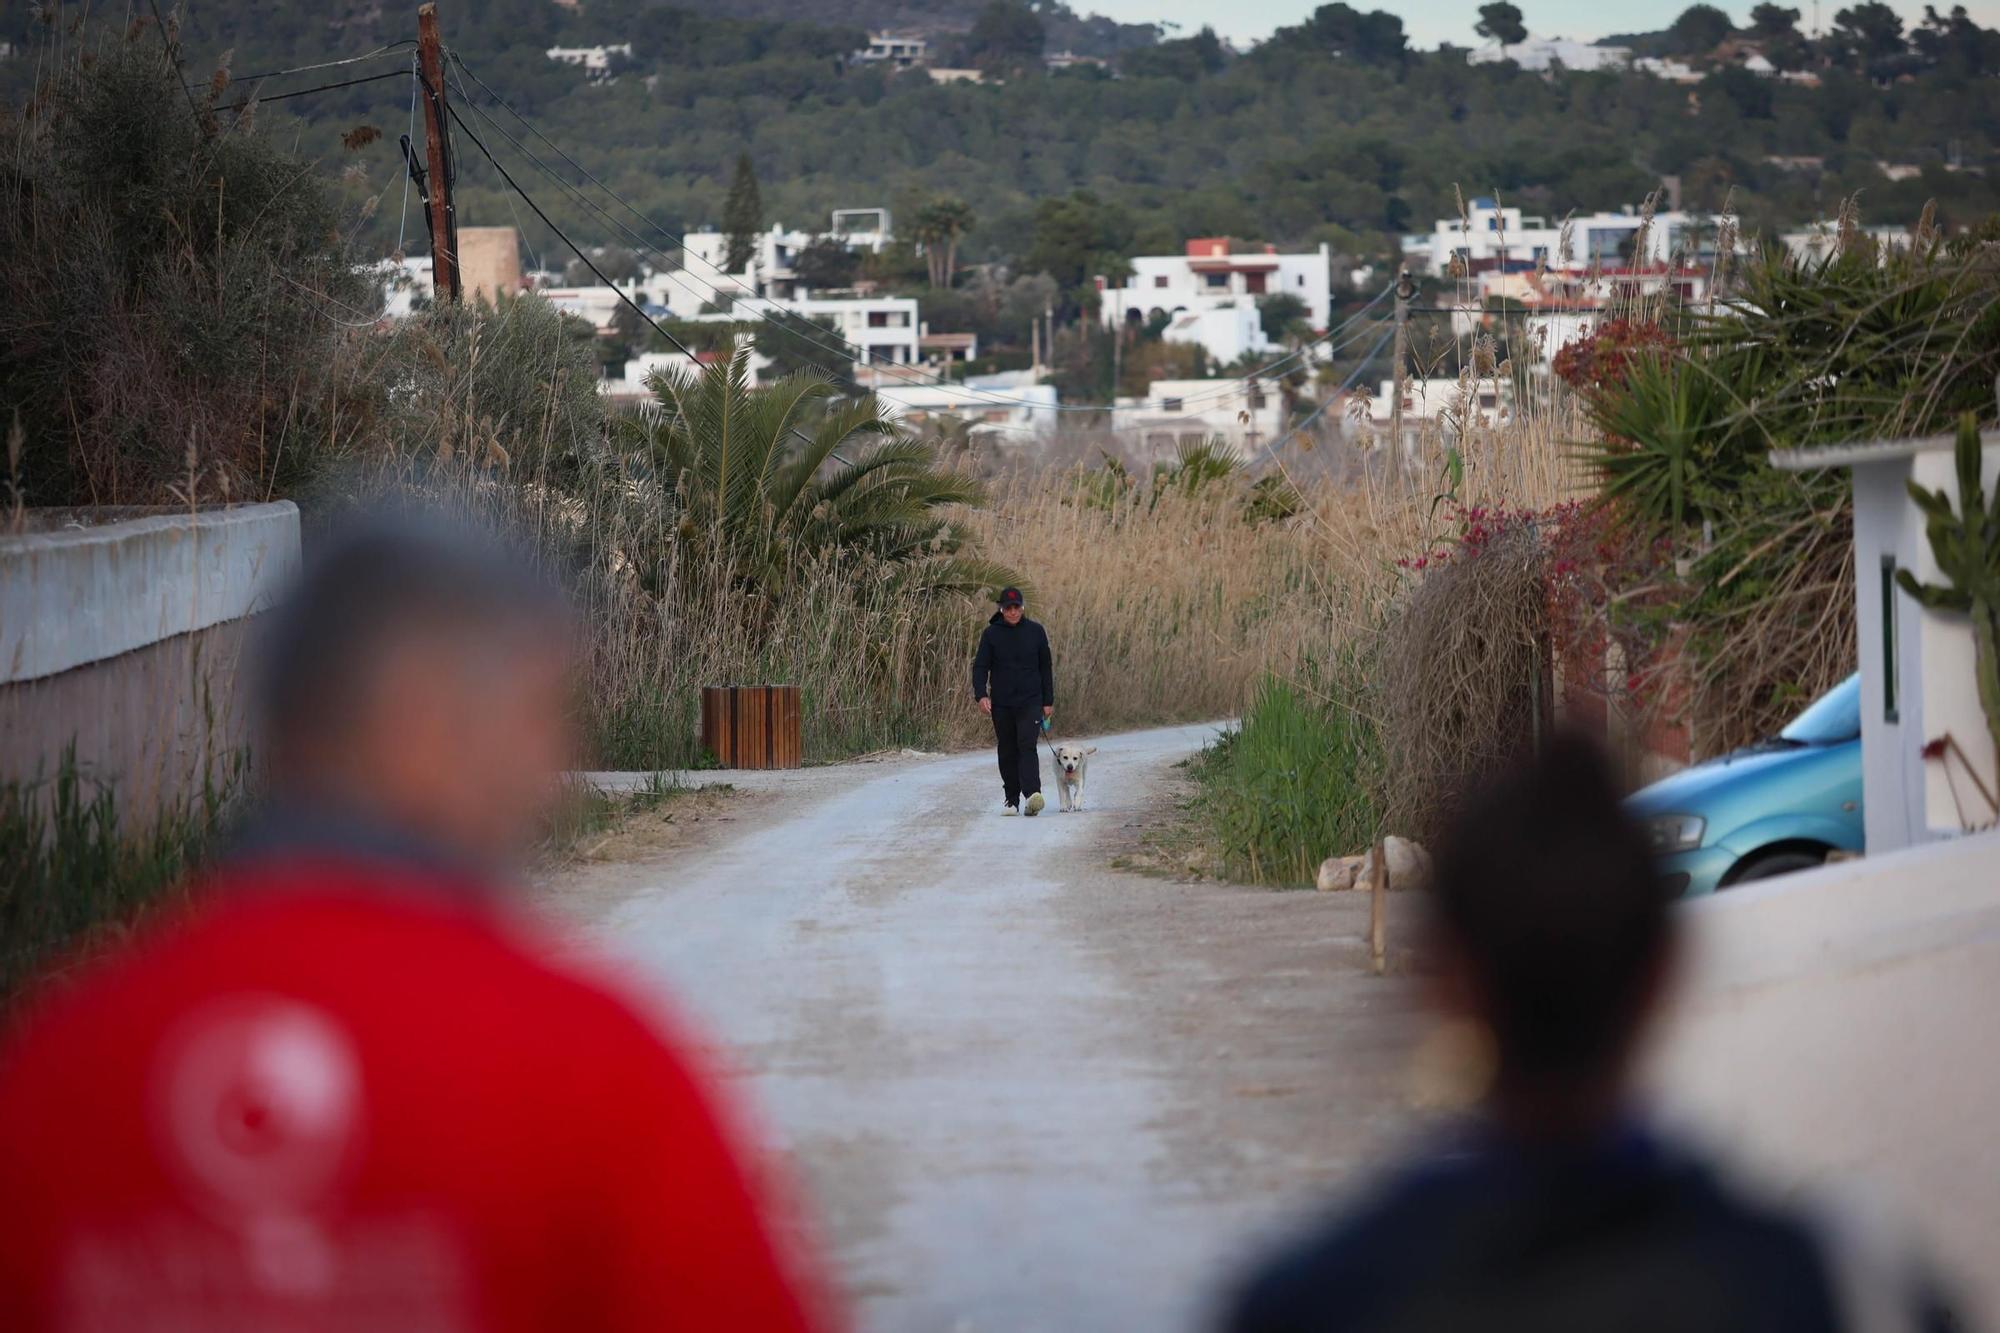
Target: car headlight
pixel 1674 833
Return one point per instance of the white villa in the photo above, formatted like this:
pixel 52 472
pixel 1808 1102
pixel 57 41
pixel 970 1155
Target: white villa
pixel 1249 416
pixel 1010 411
pixel 1210 294
pixel 1541 54
pixel 1492 237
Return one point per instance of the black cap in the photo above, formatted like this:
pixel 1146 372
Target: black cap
pixel 1010 597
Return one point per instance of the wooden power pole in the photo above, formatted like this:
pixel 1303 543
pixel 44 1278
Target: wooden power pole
pixel 1406 290
pixel 437 148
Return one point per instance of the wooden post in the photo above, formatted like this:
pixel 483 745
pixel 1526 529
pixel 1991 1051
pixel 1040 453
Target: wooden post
pixel 785 742
pixel 1378 911
pixel 1405 291
pixel 437 151
pixel 752 727
pixel 718 735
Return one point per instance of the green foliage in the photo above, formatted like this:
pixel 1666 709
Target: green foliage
pixel 1699 30
pixel 70 866
pixel 1005 38
pixel 826 263
pixel 761 475
pixel 742 215
pixel 173 290
pixel 1283 317
pixel 1663 454
pixel 1296 783
pixel 1334 122
pixel 1966 545
pixel 1502 23
pixel 941 224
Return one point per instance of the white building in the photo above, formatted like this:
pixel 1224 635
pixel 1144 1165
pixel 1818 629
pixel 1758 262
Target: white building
pixel 1249 417
pixel 1816 242
pixel 630 384
pixel 872 329
pixel 901 49
pixel 595 61
pixel 1925 747
pixel 1673 71
pixel 1009 414
pixel 771 269
pixel 1541 54
pixel 1490 236
pixel 1210 294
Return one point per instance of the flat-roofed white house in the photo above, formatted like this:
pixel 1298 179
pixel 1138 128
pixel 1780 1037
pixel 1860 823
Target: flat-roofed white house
pixel 1925 746
pixel 901 49
pixel 1210 294
pixel 1490 236
pixel 1248 416
pixel 1541 54
pixel 1011 415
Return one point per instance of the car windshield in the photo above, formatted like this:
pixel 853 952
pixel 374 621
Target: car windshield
pixel 1834 717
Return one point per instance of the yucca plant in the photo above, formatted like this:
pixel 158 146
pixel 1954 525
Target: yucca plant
pixel 765 475
pixel 1665 442
pixel 1966 545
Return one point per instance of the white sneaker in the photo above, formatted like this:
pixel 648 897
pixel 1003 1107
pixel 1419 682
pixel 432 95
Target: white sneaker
pixel 1010 810
pixel 1035 804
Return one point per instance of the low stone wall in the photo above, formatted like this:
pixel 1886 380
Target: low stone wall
pixel 121 633
pixel 1835 1034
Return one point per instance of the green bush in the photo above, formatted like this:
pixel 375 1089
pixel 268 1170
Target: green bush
pixel 1297 782
pixel 70 867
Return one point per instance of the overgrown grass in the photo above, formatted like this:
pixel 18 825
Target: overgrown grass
pixel 73 870
pixel 1297 782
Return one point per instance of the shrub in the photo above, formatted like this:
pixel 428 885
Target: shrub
pixel 1296 782
pixel 173 291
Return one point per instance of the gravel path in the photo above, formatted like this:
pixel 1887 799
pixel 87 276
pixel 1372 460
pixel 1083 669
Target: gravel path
pixel 1023 1091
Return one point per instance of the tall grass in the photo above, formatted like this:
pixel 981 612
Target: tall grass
pixel 72 865
pixel 1298 782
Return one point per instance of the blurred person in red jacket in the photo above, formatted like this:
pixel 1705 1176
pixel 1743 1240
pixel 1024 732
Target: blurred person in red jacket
pixel 1556 1207
pixel 351 1089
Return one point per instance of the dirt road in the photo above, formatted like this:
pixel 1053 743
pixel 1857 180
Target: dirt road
pixel 1024 1091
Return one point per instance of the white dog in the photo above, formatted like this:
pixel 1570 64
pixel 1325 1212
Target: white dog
pixel 1071 761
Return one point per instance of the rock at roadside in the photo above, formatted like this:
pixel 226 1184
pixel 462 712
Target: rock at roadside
pixel 1338 872
pixel 1409 865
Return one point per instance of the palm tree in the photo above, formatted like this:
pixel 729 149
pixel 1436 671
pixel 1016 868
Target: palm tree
pixel 765 476
pixel 940 225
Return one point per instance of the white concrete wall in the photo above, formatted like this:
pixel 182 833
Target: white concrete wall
pixel 1906 798
pixel 78 595
pixel 1834 1035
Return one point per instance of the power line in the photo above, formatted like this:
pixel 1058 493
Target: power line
pixel 173 57
pixel 307 92
pixel 327 64
pixel 847 349
pixel 529 200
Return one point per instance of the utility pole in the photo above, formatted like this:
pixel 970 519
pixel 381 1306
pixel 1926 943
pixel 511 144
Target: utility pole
pixel 1406 291
pixel 437 149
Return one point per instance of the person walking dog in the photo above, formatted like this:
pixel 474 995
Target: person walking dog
pixel 1014 682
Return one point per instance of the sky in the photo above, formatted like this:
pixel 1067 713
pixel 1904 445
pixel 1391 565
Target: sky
pixel 1432 21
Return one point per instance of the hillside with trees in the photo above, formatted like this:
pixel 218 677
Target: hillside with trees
pixel 1335 129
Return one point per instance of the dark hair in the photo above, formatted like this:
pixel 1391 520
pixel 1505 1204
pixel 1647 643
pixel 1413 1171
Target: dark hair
pixel 376 583
pixel 1545 886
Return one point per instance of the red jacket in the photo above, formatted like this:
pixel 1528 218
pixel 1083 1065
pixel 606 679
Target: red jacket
pixel 357 1099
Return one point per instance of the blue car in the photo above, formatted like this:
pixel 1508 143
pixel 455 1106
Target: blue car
pixel 1777 806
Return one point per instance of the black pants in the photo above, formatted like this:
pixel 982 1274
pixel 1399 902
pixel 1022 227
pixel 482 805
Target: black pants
pixel 1015 730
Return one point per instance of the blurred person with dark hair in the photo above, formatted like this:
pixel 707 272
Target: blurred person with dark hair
pixel 350 1089
pixel 1555 1207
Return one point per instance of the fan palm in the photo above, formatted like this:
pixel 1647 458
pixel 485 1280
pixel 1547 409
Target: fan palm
pixel 765 476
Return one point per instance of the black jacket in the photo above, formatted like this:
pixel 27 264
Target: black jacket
pixel 1631 1233
pixel 1016 659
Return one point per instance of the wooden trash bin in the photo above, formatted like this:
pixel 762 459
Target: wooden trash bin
pixel 752 726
